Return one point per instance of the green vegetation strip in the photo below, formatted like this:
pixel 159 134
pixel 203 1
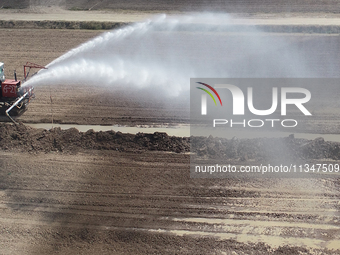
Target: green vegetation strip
pixel 90 25
pixel 95 25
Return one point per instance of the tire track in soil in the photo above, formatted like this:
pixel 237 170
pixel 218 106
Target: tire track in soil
pixel 66 200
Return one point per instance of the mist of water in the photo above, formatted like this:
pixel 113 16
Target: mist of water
pixel 163 53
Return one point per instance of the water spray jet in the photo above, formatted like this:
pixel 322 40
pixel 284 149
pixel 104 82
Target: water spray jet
pixel 165 52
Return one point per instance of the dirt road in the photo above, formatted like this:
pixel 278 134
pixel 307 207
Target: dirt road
pixel 58 14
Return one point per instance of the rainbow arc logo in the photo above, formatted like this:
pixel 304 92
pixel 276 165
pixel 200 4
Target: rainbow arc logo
pixel 209 93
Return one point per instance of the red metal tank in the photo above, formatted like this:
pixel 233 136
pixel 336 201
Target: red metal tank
pixel 10 88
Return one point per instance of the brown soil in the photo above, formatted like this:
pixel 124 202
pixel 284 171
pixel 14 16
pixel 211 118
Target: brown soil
pixel 66 192
pixel 21 137
pixel 71 140
pixel 80 104
pixel 287 148
pixel 144 202
pixel 99 105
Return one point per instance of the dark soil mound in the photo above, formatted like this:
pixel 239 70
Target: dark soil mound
pixel 25 138
pixel 265 148
pixel 71 140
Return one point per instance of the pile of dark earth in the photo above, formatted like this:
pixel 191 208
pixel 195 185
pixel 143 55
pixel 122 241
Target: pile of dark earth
pixel 24 138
